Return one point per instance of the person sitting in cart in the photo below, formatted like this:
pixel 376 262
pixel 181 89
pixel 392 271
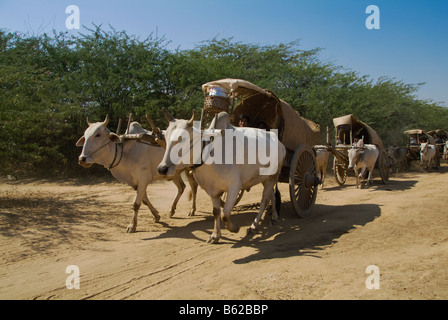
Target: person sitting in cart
pixel 244 120
pixel 263 125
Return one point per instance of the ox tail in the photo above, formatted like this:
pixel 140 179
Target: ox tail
pixel 278 200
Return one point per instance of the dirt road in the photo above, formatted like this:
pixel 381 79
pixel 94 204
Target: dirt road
pixel 401 228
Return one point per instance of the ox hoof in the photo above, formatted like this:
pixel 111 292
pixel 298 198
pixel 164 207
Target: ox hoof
pixel 156 219
pixel 273 222
pixel 251 231
pixel 131 228
pixel 191 213
pixel 234 228
pixel 172 212
pixel 213 239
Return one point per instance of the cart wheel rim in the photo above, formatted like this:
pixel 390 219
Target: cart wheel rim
pixel 340 172
pixel 303 181
pixel 384 169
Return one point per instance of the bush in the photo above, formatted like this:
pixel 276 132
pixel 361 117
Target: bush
pixel 50 84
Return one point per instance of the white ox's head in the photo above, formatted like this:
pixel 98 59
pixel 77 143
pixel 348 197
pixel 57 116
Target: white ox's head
pixel 354 155
pixel 179 139
pixel 97 143
pixel 424 148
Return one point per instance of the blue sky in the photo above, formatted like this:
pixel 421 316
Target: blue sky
pixel 411 44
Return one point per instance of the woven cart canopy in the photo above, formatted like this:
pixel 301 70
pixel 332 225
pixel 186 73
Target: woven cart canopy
pixel 262 105
pixel 359 128
pixel 235 87
pixel 443 134
pixel 420 132
pixel 414 131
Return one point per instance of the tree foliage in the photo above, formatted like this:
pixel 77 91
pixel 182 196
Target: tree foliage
pixel 49 84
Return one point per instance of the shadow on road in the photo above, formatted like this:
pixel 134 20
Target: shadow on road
pixel 294 236
pixel 291 236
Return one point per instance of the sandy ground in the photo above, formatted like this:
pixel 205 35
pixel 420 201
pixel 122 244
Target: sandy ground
pixel 401 228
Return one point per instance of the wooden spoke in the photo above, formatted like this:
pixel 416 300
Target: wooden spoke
pixel 303 181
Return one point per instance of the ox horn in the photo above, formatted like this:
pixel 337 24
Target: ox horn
pixel 106 121
pixel 167 115
pixel 214 121
pixel 88 122
pixel 193 117
pixel 154 129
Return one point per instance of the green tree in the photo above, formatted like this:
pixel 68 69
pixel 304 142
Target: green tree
pixel 49 84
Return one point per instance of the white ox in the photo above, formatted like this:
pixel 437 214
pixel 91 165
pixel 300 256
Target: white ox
pixel 131 162
pixel 427 154
pixel 322 156
pixel 362 157
pixel 216 178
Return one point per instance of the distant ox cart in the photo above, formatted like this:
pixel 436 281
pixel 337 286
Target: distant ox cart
pixel 348 131
pixel 441 142
pixel 415 138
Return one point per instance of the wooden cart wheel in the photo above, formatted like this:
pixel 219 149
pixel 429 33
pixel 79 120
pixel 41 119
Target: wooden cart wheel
pixel 340 172
pixel 303 181
pixel 224 198
pixel 384 167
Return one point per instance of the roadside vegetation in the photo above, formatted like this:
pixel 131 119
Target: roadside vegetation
pixel 49 84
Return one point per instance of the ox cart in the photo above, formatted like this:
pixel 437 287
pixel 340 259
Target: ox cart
pixel 263 109
pixel 440 138
pixel 348 130
pixel 415 138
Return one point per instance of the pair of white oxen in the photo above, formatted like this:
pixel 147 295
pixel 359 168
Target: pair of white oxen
pixel 364 157
pixel 360 156
pixel 138 164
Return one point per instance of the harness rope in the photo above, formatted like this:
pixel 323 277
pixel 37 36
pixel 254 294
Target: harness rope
pixel 112 165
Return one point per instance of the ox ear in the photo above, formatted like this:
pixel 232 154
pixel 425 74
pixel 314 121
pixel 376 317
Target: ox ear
pixel 114 137
pixel 167 115
pixel 193 117
pixel 81 141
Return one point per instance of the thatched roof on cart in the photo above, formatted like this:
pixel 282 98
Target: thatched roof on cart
pixel 358 128
pixel 262 105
